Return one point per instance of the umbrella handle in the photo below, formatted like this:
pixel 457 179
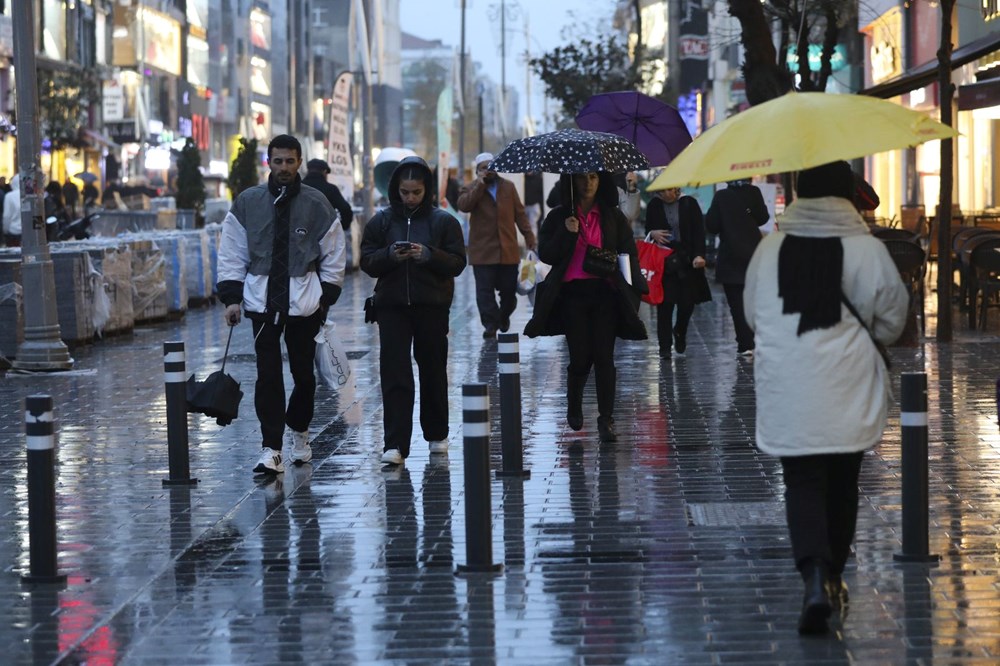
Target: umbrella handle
pixel 226 355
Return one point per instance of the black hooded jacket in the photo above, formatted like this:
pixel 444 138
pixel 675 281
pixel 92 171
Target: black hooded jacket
pixel 317 180
pixel 410 282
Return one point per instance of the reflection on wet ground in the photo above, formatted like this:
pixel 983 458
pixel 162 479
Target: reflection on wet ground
pixel 668 547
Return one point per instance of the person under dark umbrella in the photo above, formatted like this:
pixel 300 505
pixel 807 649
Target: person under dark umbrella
pixel 316 173
pixel 591 310
pixel 735 215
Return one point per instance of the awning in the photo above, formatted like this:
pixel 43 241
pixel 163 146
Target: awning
pixel 927 73
pixel 96 139
pixel 981 95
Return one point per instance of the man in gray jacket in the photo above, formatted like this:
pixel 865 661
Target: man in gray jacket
pixel 282 257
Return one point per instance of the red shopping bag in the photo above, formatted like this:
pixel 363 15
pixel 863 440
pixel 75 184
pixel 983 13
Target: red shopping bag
pixel 651 259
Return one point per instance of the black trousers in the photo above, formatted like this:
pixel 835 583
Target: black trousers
pixel 424 329
pixel 821 505
pixel 744 334
pixel 269 391
pixel 589 309
pixel 665 325
pixel 490 279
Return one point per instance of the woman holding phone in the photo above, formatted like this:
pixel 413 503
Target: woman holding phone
pixel 415 251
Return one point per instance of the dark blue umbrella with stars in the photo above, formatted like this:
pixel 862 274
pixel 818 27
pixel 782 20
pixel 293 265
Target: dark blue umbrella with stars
pixel 570 151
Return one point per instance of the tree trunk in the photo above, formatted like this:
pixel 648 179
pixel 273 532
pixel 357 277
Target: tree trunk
pixel 830 36
pixel 765 77
pixel 945 91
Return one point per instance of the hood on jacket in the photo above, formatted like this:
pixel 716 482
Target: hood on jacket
pixel 411 168
pixel 607 191
pixel 15 182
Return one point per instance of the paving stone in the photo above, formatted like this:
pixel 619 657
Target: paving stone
pixel 667 548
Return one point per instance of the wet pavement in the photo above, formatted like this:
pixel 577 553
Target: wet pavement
pixel 668 547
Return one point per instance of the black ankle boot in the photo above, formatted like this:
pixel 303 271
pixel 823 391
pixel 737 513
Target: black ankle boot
pixel 574 400
pixel 680 341
pixel 606 429
pixel 816 607
pixel 836 589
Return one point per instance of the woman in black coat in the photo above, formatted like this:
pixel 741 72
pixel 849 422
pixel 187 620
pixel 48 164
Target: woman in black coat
pixel 589 310
pixel 735 215
pixel 677 221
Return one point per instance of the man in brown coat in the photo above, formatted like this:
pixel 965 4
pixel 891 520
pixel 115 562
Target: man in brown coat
pixel 495 210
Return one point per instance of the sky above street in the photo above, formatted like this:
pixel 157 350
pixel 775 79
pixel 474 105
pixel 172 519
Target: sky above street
pixel 546 21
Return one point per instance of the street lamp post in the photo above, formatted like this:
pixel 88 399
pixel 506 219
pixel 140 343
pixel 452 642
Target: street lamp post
pixel 43 348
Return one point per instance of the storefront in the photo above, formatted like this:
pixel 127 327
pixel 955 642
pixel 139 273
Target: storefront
pixel 913 177
pixel 883 39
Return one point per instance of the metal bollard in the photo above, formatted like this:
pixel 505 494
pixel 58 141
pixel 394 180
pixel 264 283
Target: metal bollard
pixel 39 430
pixel 510 407
pixel 177 419
pixel 913 420
pixel 478 508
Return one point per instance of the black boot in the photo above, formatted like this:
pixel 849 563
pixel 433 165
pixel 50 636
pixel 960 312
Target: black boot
pixel 836 589
pixel 680 341
pixel 816 607
pixel 574 399
pixel 606 406
pixel 606 429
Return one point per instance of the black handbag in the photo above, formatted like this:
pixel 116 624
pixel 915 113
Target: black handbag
pixel 678 263
pixel 370 314
pixel 600 261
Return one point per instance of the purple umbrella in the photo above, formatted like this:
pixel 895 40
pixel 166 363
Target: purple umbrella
pixel 657 129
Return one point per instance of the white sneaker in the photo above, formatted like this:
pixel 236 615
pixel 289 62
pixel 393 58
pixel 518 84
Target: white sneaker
pixel 439 446
pixel 392 457
pixel 746 353
pixel 269 462
pixel 297 447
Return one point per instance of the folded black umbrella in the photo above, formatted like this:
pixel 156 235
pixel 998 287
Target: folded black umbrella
pixel 218 396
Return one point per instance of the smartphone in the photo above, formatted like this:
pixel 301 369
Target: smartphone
pixel 401 246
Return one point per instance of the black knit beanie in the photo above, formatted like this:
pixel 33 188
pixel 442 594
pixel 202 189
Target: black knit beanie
pixel 834 179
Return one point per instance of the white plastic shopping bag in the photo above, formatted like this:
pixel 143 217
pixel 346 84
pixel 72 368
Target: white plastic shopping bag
pixel 332 367
pixel 527 274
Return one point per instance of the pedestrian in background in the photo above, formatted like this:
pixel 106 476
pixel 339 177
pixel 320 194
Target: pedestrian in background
pixel 823 390
pixel 282 256
pixel 12 213
pixel 591 311
pixel 496 215
pixel 91 196
pixel 55 210
pixel 629 200
pixel 316 173
pixel 534 197
pixel 415 251
pixel 736 215
pixel 70 196
pixel 677 222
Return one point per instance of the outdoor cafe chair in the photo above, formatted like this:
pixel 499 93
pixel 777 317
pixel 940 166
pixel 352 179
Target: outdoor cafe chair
pixel 985 260
pixel 911 262
pixel 967 275
pixel 897 233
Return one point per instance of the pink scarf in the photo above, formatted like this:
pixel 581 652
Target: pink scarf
pixel 590 234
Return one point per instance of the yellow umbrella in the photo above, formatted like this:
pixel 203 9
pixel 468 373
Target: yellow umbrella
pixel 797 131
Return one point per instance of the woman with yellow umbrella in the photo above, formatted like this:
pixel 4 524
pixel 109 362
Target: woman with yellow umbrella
pixel 818 295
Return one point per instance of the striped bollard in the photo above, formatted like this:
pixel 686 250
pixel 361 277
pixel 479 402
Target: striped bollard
pixel 510 406
pixel 915 496
pixel 39 430
pixel 177 419
pixel 478 508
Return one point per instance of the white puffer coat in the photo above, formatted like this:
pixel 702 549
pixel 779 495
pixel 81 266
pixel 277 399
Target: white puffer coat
pixel 826 391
